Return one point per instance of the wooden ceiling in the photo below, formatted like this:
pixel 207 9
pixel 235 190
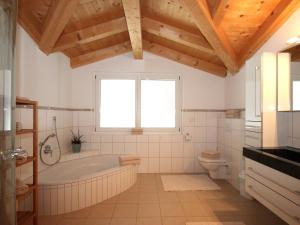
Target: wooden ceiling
pixel 211 35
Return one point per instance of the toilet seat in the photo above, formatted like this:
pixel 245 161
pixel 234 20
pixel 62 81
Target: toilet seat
pixel 216 161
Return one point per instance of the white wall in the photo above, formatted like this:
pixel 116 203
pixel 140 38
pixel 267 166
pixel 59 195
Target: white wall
pixel 41 77
pixel 200 89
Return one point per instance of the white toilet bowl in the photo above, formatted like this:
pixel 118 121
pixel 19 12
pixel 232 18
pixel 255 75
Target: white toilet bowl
pixel 217 168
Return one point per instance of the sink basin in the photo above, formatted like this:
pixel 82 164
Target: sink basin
pixel 285 153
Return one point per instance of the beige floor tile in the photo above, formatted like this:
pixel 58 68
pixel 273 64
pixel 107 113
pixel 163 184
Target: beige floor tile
pixel 148 180
pixel 98 221
pixel 196 209
pixel 112 200
pixel 168 197
pixel 211 194
pixel 173 220
pixel 123 221
pixel 149 210
pixel 102 211
pixel 160 188
pixel 146 197
pixel 248 207
pixel 133 189
pixel 128 197
pixel 125 210
pixel 171 209
pixel 72 221
pixel 146 202
pixel 203 219
pixel 224 206
pixel 149 221
pixel 225 186
pixel 147 188
pixel 82 213
pixel 187 196
pixel 254 220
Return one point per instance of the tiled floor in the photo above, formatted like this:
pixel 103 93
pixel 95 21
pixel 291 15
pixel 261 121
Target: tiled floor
pixel 146 203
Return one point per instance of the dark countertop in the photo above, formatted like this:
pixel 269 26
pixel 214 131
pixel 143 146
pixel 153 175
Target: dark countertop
pixel 283 159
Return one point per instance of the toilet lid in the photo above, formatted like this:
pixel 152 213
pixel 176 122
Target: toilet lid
pixel 201 159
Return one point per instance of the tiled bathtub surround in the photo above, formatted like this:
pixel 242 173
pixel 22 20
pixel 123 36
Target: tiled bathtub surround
pixel 58 199
pixel 160 153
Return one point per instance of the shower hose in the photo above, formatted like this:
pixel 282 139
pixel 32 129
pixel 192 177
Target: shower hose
pixel 44 142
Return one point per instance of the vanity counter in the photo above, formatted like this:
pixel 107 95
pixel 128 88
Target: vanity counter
pixel 283 159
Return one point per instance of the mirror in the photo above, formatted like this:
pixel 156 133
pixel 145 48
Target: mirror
pixel 288 85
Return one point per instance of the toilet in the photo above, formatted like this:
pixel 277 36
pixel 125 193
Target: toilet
pixel 216 166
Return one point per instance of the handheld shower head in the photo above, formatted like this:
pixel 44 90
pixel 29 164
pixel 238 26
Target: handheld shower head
pixel 46 139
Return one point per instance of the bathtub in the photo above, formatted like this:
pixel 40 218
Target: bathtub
pixel 80 183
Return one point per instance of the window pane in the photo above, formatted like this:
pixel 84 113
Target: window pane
pixel 158 104
pixel 117 103
pixel 296 95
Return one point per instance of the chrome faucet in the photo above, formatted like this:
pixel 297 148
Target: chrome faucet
pixel 46 139
pixel 48 150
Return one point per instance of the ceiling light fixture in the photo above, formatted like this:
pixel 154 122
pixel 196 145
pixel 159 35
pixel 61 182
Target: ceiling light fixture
pixel 293 40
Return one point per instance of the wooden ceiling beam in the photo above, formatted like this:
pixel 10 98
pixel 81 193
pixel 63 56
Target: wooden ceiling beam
pixel 213 34
pixel 219 11
pixel 100 54
pixel 90 34
pixel 278 16
pixel 132 11
pixel 176 34
pixel 184 59
pixel 58 16
pixel 28 22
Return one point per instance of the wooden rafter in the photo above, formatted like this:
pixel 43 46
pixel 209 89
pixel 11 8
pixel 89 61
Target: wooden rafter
pixel 176 34
pixel 90 34
pixel 213 34
pixel 58 16
pixel 100 54
pixel 279 15
pixel 184 59
pixel 28 22
pixel 132 11
pixel 219 11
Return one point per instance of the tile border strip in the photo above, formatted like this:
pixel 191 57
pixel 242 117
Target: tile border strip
pixel 208 110
pixel 92 110
pixel 55 108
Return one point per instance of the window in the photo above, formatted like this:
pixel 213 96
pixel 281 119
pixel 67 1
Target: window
pixel 117 99
pixel 125 101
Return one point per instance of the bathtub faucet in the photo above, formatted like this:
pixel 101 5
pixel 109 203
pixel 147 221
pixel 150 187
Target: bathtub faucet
pixel 46 139
pixel 48 150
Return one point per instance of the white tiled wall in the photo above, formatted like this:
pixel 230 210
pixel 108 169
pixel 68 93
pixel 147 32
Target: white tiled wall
pixel 289 128
pixel 232 142
pixel 64 127
pixel 160 153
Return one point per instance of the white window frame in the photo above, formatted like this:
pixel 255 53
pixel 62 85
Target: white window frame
pixel 137 77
